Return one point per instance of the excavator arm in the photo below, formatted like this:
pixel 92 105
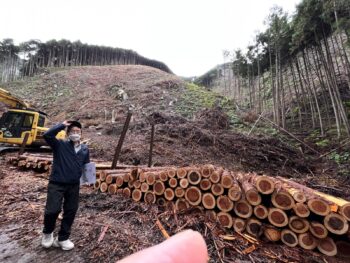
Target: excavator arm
pixel 8 99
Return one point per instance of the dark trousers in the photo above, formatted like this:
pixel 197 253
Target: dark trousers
pixel 56 194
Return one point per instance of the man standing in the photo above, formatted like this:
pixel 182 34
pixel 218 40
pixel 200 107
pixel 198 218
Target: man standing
pixel 69 157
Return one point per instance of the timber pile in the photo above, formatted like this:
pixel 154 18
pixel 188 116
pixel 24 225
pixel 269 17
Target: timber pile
pixel 36 162
pixel 273 208
pixel 42 163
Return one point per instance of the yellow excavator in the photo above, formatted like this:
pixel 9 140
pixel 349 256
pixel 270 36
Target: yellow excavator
pixel 20 119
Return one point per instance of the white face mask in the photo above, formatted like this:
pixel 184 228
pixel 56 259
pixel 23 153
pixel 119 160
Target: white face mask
pixel 74 137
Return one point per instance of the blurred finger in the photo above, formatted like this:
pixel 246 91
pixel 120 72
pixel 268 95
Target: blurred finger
pixel 185 247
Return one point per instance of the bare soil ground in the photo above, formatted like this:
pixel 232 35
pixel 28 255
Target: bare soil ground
pixel 128 227
pixel 90 94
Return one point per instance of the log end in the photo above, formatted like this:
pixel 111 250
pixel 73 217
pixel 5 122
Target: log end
pixel 298 225
pixel 345 211
pixel 289 238
pixel 336 224
pixel 277 217
pixel 318 230
pixel 265 185
pixel 301 210
pixel 318 206
pixel 225 219
pixel 193 196
pixel 327 247
pixel 283 200
pixel 272 234
pixel 208 201
pixel 307 241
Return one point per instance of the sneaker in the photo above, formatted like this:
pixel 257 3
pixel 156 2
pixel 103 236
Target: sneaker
pixel 47 240
pixel 65 245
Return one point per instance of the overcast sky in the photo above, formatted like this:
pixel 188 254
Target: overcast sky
pixel 188 35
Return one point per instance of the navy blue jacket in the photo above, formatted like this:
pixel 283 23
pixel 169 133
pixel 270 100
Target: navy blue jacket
pixel 67 165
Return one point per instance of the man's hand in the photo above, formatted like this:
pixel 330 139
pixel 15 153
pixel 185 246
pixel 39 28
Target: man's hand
pixel 66 123
pixel 185 247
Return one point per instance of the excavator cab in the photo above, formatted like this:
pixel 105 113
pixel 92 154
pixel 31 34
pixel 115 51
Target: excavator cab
pixel 16 122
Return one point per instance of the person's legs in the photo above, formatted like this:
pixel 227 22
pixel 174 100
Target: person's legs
pixel 55 193
pixel 70 207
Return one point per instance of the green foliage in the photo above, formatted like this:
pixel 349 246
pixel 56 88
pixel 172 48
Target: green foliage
pixel 194 98
pixel 323 143
pixel 340 158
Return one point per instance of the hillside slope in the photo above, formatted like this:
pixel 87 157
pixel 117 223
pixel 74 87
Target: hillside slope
pixel 90 94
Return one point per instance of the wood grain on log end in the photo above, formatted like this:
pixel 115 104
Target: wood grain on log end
pixel 179 192
pixel 301 210
pixel 216 175
pixel 239 225
pixel 205 184
pixel 137 184
pixel 318 207
pixel 282 200
pixel 136 195
pixel 144 187
pixel 277 217
pixel 217 189
pixel 149 197
pixel 207 170
pixel 181 173
pixel 103 187
pixel 336 224
pixel 298 225
pixel 345 211
pixel 171 172
pixel 194 177
pixel 163 176
pixel 299 197
pixel 159 188
pixel 318 230
pixel 243 209
pixel 169 194
pixel 224 203
pixel 181 204
pixel 327 246
pixel 307 241
pixel 253 197
pixel 127 192
pixel 265 185
pixel 272 234
pixel 208 201
pixel 225 219
pixel 235 192
pixel 184 183
pixel 97 184
pixel 112 189
pixel 289 238
pixel 172 182
pixel 193 196
pixel 150 178
pixel 254 227
pixel 226 180
pixel 261 211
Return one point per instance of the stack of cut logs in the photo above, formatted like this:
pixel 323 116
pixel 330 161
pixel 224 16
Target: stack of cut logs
pixel 278 209
pixel 42 162
pixel 36 162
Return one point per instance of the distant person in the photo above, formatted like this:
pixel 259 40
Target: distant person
pixel 69 158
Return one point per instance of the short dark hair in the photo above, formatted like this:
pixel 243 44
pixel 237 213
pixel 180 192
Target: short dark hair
pixel 73 124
